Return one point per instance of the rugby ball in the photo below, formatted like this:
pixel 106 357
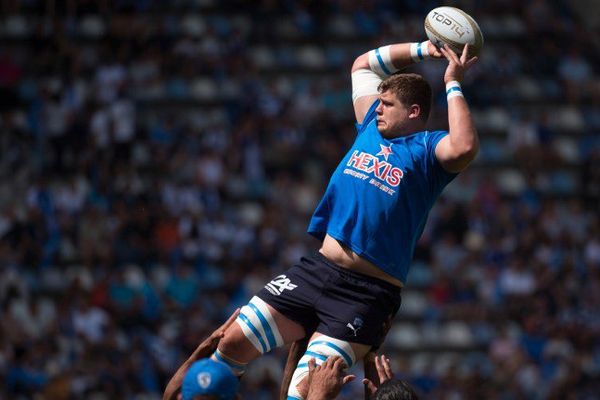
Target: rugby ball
pixel 454 27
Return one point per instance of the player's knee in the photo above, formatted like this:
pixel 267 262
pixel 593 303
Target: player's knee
pixel 236 366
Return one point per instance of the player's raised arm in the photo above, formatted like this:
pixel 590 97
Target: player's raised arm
pixel 459 148
pixel 370 68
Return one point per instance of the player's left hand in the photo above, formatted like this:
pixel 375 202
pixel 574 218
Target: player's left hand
pixel 457 65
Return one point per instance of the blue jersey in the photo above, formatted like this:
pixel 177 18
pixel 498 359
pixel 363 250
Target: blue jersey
pixel 379 196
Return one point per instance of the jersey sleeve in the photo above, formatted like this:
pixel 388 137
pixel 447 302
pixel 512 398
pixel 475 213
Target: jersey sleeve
pixel 370 116
pixel 440 177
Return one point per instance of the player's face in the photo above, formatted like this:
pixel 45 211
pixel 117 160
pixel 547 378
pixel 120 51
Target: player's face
pixel 392 115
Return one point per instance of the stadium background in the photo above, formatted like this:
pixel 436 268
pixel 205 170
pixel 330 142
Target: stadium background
pixel 160 161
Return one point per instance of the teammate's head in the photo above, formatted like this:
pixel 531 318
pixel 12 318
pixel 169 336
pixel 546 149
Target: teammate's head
pixel 207 380
pixel 395 389
pixel 405 105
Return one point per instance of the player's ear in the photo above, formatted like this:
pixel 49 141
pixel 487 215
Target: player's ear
pixel 414 111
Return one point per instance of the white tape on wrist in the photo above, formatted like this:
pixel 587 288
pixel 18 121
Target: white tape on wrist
pixel 453 89
pixel 419 51
pixel 380 61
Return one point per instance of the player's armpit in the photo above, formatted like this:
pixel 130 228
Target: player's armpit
pixel 362 106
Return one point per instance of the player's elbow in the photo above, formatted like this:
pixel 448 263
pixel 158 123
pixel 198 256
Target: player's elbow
pixel 460 155
pixel 361 62
pixel 468 151
pixel 465 153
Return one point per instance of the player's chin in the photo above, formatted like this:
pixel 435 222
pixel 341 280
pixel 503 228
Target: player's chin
pixel 381 126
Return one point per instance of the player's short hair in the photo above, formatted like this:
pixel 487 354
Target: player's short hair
pixel 395 389
pixel 409 89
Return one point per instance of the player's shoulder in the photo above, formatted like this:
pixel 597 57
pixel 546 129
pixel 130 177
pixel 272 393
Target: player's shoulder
pixel 425 139
pixel 432 136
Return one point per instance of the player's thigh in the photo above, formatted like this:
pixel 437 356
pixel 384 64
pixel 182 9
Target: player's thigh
pixel 251 336
pixel 280 313
pixel 350 352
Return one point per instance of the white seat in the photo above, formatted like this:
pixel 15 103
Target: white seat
pixel 203 89
pixel 92 26
pixel 342 26
pixel 419 363
pixel 567 118
pixel 528 89
pixel 567 148
pixel 16 26
pixel 263 57
pixel 457 334
pixel 511 181
pixel 311 57
pixel 404 335
pixel 443 362
pixel 193 25
pixel 414 303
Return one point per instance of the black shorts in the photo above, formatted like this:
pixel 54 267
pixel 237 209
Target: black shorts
pixel 326 298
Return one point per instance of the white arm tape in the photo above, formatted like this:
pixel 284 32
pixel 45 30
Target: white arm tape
pixel 453 89
pixel 380 61
pixel 419 51
pixel 364 83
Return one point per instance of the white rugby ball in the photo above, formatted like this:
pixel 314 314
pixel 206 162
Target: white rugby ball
pixel 454 27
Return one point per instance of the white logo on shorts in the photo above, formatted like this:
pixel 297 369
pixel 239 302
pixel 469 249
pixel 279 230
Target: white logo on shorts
pixel 358 322
pixel 279 284
pixel 203 380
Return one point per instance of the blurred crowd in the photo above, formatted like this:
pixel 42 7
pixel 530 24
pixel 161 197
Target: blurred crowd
pixel 160 162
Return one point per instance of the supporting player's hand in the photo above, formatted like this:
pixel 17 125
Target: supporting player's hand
pixel 384 372
pixel 326 380
pixel 209 345
pixel 457 65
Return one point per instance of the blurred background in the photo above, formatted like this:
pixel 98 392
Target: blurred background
pixel 160 161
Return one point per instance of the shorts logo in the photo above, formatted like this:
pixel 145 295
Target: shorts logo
pixel 279 284
pixel 204 380
pixel 356 325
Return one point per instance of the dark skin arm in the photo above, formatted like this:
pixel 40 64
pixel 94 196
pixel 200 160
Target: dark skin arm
pixel 296 352
pixel 204 350
pixel 384 373
pixel 371 373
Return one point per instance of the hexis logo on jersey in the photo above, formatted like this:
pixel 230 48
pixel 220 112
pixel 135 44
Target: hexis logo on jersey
pixel 373 165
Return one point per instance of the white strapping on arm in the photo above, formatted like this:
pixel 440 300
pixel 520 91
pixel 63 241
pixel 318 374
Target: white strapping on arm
pixel 380 61
pixel 364 83
pixel 419 51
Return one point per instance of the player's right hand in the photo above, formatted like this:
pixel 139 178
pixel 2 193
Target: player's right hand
pixel 457 65
pixel 434 52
